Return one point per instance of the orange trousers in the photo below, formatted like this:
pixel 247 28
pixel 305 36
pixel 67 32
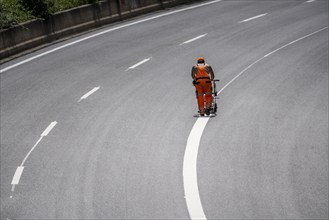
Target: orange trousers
pixel 203 94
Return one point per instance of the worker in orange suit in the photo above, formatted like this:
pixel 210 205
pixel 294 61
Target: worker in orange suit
pixel 202 75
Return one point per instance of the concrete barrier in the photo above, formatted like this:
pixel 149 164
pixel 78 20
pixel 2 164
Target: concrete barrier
pixel 24 37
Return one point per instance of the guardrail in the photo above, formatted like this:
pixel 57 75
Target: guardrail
pixel 33 34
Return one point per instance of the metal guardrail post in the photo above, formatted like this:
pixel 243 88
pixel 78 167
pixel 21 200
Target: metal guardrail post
pixel 119 8
pixel 161 3
pixel 97 13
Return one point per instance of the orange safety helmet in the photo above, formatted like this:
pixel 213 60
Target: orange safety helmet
pixel 200 60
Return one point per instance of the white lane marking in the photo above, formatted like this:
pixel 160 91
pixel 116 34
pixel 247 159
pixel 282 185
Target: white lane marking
pixel 48 129
pixel 17 175
pixel 309 1
pixel 190 180
pixel 89 93
pixel 292 42
pixel 106 31
pixel 139 63
pixel 191 189
pixel 194 39
pixel 252 18
pixel 44 133
pixel 20 169
pixel 274 51
pixel 248 67
pixel 28 154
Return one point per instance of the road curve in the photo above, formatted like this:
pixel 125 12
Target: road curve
pixel 123 104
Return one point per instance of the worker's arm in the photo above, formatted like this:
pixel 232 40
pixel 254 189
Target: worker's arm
pixel 193 72
pixel 211 72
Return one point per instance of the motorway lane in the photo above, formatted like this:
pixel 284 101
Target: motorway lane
pixel 118 154
pixel 271 155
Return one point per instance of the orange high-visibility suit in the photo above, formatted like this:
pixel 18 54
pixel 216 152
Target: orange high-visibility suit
pixel 202 75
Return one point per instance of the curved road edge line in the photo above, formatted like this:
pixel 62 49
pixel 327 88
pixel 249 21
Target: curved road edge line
pixel 190 179
pixel 104 32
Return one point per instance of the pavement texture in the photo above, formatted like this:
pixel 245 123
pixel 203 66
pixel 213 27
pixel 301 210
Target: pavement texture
pixel 118 154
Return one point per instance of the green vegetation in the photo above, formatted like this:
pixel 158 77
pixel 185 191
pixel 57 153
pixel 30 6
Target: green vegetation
pixel 13 12
pixel 38 8
pixel 60 5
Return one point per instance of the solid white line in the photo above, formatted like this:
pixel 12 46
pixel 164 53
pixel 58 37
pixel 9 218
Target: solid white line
pixel 45 133
pixel 248 67
pixel 190 179
pixel 89 93
pixel 274 51
pixel 20 169
pixel 28 154
pixel 196 38
pixel 139 63
pixel 292 42
pixel 17 175
pixel 191 189
pixel 104 32
pixel 252 18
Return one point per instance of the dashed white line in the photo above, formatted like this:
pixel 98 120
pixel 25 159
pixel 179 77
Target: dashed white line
pixel 309 1
pixel 252 18
pixel 48 129
pixel 106 31
pixel 190 179
pixel 20 168
pixel 194 39
pixel 89 93
pixel 139 63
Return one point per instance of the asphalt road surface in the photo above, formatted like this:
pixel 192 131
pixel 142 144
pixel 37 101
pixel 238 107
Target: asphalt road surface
pixel 113 112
